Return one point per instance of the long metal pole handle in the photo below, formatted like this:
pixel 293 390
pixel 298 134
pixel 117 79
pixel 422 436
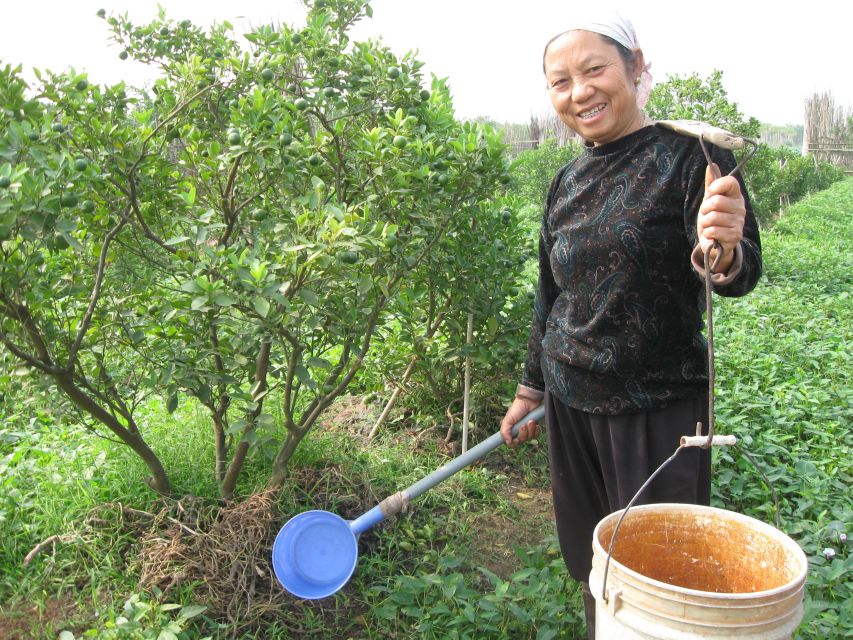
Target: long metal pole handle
pixel 472 455
pixel 397 502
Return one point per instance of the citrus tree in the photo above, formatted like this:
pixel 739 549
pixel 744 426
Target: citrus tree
pixel 235 232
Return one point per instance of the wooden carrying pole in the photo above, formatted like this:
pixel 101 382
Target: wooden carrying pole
pixel 466 402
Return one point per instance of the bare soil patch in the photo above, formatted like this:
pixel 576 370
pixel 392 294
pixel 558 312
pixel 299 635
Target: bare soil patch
pixel 499 534
pixel 31 621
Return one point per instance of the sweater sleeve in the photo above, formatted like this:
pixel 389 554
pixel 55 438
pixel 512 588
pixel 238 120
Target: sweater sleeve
pixel 546 294
pixel 744 274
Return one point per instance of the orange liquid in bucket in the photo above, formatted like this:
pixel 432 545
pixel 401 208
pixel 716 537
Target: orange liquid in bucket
pixel 679 572
pixel 722 556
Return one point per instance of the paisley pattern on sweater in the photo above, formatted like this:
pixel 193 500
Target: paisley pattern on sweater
pixel 617 320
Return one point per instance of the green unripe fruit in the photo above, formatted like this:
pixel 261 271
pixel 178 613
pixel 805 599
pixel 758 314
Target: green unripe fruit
pixel 234 138
pixel 5 182
pixel 81 85
pixel 296 38
pixel 186 24
pixel 88 206
pixel 68 199
pixel 315 160
pixel 285 138
pixel 424 94
pixel 5 232
pixel 267 75
pixel 301 104
pixel 348 257
pixel 506 215
pixel 329 92
pixel 33 136
pixel 164 31
pixel 399 142
pixel 393 73
pixel 122 55
pixel 443 179
pixel 80 164
pixel 101 13
pixel 58 127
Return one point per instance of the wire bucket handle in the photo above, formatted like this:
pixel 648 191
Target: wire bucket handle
pixel 727 140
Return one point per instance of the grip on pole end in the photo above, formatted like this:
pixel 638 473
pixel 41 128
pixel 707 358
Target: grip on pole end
pixel 699 441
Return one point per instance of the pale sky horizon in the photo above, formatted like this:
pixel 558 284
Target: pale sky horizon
pixel 772 58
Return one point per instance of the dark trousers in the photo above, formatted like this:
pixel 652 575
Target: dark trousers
pixel 599 462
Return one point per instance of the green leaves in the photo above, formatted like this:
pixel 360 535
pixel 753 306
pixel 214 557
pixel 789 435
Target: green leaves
pixel 693 98
pixel 282 196
pixel 538 600
pixel 784 380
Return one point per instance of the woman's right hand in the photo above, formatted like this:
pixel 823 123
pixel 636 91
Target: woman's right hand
pixel 519 408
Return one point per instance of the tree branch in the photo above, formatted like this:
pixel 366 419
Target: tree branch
pixel 96 291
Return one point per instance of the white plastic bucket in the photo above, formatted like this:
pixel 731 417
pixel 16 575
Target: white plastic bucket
pixel 681 571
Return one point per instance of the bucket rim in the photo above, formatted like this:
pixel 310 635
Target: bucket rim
pixel 795 584
pixel 289 579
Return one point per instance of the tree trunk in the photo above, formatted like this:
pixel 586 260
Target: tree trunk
pixel 221 449
pixel 159 480
pixel 279 465
pixel 262 362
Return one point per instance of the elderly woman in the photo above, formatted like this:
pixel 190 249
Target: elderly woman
pixel 616 351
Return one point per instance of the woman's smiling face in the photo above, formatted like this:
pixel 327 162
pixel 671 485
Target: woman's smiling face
pixel 591 88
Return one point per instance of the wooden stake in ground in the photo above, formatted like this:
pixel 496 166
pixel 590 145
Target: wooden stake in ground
pixel 408 372
pixel 466 403
pixel 397 391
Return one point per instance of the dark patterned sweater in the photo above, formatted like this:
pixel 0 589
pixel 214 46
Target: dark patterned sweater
pixel 617 322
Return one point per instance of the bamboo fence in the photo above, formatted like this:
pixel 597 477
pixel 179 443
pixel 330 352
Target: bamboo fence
pixel 828 132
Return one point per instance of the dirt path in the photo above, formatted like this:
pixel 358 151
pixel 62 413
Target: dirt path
pixel 527 523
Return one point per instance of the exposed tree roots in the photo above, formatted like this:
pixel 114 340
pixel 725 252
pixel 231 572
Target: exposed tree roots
pixel 222 551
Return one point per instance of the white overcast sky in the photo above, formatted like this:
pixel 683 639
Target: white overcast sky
pixel 773 55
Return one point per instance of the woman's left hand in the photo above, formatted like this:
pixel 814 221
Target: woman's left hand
pixel 721 216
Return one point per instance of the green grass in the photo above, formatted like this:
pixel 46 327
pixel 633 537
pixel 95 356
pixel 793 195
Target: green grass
pixel 785 388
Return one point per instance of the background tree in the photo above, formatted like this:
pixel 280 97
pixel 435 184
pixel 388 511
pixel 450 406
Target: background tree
pixel 691 97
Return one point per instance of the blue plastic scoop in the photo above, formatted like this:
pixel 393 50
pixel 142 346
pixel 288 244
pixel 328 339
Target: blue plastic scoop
pixel 315 552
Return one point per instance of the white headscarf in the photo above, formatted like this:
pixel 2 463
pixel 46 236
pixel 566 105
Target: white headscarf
pixel 612 24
